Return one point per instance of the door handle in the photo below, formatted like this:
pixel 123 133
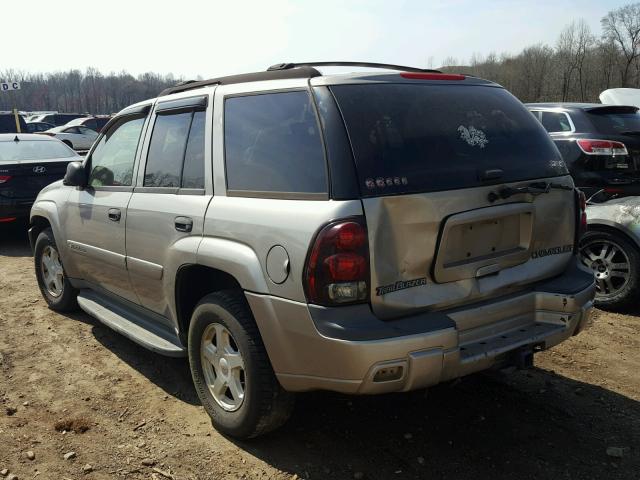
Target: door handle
pixel 183 224
pixel 115 214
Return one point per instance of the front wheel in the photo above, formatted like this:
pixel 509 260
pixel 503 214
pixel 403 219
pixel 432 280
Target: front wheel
pixel 231 370
pixel 54 285
pixel 614 261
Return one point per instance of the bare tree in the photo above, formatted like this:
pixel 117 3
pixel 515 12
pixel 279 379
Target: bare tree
pixel 623 27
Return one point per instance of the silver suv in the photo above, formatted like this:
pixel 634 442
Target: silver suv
pixel 291 231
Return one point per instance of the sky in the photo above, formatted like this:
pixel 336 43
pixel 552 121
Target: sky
pixel 191 38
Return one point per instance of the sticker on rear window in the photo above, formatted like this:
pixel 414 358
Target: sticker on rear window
pixel 473 136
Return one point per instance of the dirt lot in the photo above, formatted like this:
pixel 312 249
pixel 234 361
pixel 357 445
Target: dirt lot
pixel 144 420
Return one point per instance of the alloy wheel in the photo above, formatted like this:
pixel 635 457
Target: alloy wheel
pixel 223 367
pixel 610 265
pixel 52 271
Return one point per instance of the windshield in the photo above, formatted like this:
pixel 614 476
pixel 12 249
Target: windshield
pixel 33 150
pixel 419 138
pixel 614 121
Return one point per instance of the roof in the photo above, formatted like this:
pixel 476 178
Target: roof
pixel 10 137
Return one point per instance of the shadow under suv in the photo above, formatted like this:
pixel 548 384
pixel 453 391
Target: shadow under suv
pixel 599 143
pixel 290 231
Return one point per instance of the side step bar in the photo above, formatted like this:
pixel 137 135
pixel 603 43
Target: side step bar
pixel 131 324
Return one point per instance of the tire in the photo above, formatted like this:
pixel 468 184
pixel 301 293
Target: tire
pixel 616 268
pixel 64 298
pixel 68 143
pixel 264 405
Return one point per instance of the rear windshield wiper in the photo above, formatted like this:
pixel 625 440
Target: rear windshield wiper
pixel 535 188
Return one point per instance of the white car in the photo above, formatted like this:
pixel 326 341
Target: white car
pixel 77 137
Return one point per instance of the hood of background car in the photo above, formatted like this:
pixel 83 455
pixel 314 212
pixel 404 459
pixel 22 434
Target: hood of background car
pixel 621 96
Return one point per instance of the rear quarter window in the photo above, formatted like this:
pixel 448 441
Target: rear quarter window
pixel 411 138
pixel 273 145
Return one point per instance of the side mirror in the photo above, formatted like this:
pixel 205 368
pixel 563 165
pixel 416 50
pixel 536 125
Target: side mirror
pixel 76 175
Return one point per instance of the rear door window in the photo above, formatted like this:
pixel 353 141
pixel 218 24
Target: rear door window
pixel 420 138
pixel 176 151
pixel 166 150
pixel 273 145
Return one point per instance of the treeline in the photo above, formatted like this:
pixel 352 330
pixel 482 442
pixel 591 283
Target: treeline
pixel 580 65
pixel 81 92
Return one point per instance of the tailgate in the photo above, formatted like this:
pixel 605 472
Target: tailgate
pixel 444 249
pixel 428 155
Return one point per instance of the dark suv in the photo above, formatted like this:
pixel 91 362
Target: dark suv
pixel 8 123
pixel 599 143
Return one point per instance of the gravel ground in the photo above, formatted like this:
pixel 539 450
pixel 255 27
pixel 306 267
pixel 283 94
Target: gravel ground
pixel 77 400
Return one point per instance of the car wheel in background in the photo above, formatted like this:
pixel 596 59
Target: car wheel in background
pixel 615 262
pixel 54 285
pixel 231 370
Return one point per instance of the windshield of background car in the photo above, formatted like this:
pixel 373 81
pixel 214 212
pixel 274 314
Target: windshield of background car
pixel 615 120
pixel 33 150
pixel 422 138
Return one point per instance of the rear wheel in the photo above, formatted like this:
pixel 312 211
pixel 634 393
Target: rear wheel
pixel 231 370
pixel 54 285
pixel 614 261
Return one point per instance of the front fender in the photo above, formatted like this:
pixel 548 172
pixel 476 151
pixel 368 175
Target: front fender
pixel 234 258
pixel 48 210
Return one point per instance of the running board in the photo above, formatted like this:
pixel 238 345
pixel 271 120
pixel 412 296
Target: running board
pixel 132 325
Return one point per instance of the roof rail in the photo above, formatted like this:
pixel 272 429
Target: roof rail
pixel 302 72
pixel 386 66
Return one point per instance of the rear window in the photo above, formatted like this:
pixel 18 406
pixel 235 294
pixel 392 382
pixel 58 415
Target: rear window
pixel 33 150
pixel 615 121
pixel 421 138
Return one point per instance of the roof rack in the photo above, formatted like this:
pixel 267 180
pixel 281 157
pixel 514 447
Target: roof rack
pixel 283 71
pixel 386 66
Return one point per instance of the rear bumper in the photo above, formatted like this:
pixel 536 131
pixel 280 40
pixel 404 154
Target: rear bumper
pixel 349 350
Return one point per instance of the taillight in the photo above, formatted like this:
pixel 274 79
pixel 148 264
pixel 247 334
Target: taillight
pixel 432 76
pixel 50 134
pixel 337 270
pixel 581 214
pixel 4 178
pixel 7 219
pixel 602 147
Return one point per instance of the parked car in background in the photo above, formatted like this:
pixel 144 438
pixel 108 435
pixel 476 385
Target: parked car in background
pixel 28 163
pixel 8 123
pixel 78 138
pixel 290 231
pixel 57 119
pixel 94 123
pixel 621 96
pixel 599 143
pixel 611 249
pixel 37 127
